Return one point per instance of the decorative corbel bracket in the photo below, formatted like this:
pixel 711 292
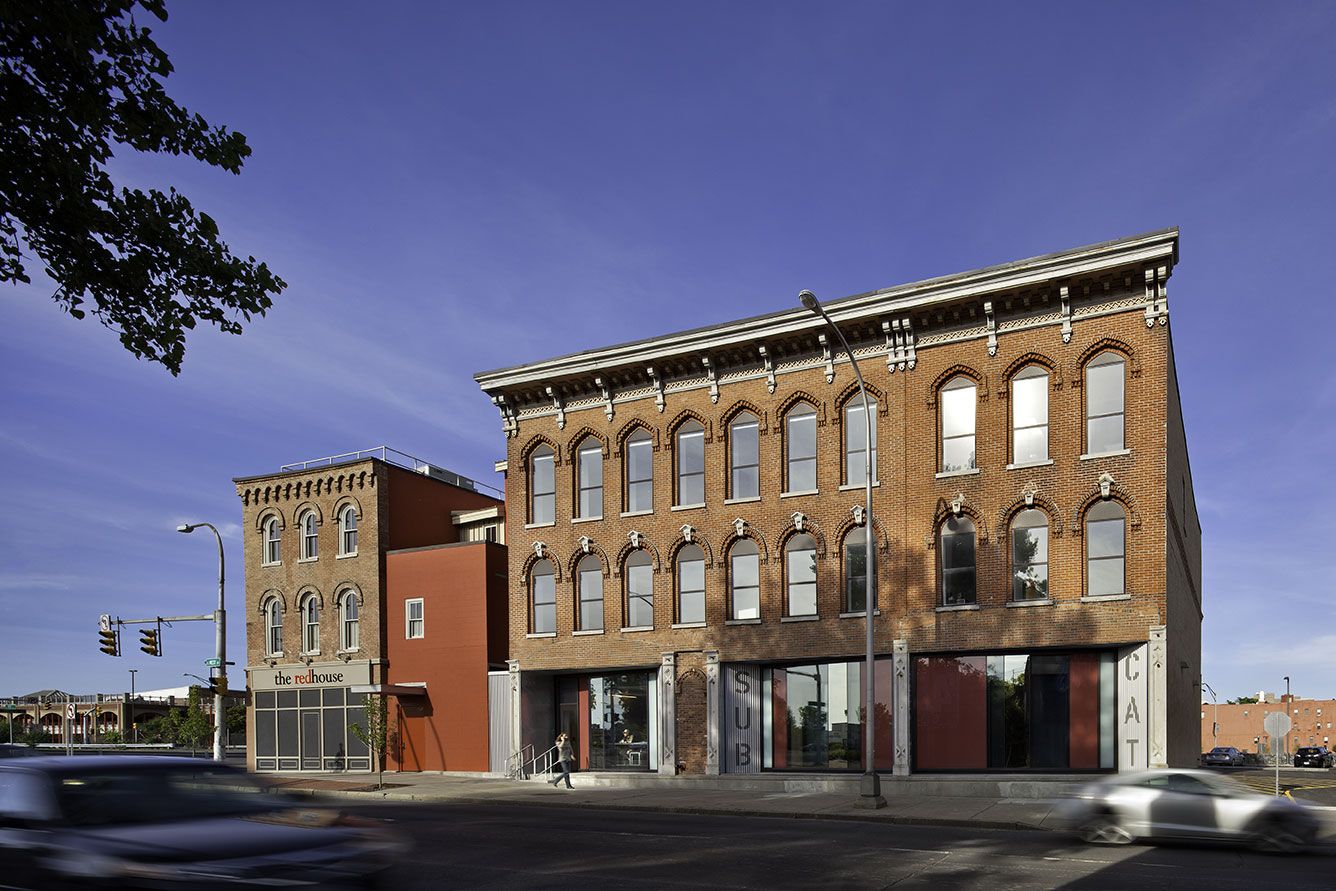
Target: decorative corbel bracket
pixel 907 332
pixel 559 404
pixel 657 383
pixel 636 539
pixel 1064 296
pixel 1157 307
pixel 540 549
pixel 740 527
pixel 957 503
pixel 606 390
pixel 827 356
pixel 799 520
pixel 859 512
pixel 509 423
pixel 1105 485
pixel 892 333
pixel 586 544
pixel 713 374
pixel 992 327
pixel 688 533
pixel 1028 493
pixel 769 362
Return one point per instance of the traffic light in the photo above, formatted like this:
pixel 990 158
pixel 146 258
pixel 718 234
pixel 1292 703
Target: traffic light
pixel 218 686
pixel 149 642
pixel 110 642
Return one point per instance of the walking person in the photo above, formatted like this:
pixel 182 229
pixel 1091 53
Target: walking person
pixel 564 758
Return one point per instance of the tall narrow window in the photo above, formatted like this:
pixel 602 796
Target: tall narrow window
pixel 543 589
pixel 958 401
pixel 273 615
pixel 800 444
pixel 855 572
pixel 1104 392
pixel 311 624
pixel 1029 416
pixel 744 579
pixel 589 581
pixel 589 475
pixel 1105 549
pixel 639 472
pixel 639 590
pixel 310 537
pixel 690 585
pixel 855 441
pixel 271 541
pixel 958 571
pixel 800 566
pixel 744 457
pixel 690 464
pixel 542 486
pixel 348 531
pixel 415 624
pixel 1029 556
pixel 351 638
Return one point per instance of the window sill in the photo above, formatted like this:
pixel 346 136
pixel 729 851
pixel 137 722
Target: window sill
pixel 1028 464
pixel 742 621
pixel 309 560
pixel 345 556
pixel 947 474
pixel 1117 454
pixel 799 494
pixel 637 513
pixel 267 565
pixel 540 525
pixel 544 635
pixel 859 487
pixel 351 652
pixel 677 507
pixel 415 637
pixel 638 628
pixel 958 608
pixel 577 520
pixel 860 614
pixel 799 618
pixel 309 653
pixel 1021 603
pixel 753 498
pixel 589 633
pixel 688 625
pixel 1104 598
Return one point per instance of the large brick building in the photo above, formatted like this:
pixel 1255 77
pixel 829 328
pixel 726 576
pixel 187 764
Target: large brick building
pixel 685 524
pixel 1240 724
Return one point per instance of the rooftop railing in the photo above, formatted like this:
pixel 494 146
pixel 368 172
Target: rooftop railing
pixel 398 459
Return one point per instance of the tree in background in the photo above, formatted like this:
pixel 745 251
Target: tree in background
pixel 374 732
pixel 1242 700
pixel 79 80
pixel 193 726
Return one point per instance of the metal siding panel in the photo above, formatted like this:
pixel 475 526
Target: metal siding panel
pixel 498 720
pixel 741 719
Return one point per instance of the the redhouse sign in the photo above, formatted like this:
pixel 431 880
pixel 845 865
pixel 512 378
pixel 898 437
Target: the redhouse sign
pixel 297 677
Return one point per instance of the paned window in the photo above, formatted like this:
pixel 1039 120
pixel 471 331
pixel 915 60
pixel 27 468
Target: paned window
pixel 348 531
pixel 543 587
pixel 744 456
pixel 310 538
pixel 800 443
pixel 855 442
pixel 1104 398
pixel 690 585
pixel 958 402
pixel 589 581
pixel 855 572
pixel 1029 555
pixel 589 475
pixel 958 570
pixel 273 616
pixel 639 472
pixel 542 486
pixel 800 566
pixel 1029 416
pixel 1105 549
pixel 272 541
pixel 744 578
pixel 311 624
pixel 690 454
pixel 352 624
pixel 639 590
pixel 414 621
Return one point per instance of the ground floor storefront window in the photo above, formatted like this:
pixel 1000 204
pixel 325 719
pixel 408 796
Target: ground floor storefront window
pixel 814 716
pixel 308 730
pixel 623 721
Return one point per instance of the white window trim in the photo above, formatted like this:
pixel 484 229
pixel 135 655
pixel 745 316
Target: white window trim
pixel 747 500
pixel 805 617
pixel 1045 463
pixel 591 631
pixel 408 621
pixel 947 474
pixel 542 635
pixel 1103 598
pixel 742 621
pixel 858 487
pixel 958 608
pixel 575 521
pixel 1047 601
pixel 1091 456
pixel 697 506
pixel 688 625
pixel 803 492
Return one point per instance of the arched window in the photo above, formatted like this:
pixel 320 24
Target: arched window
pixel 1029 555
pixel 639 590
pixel 348 531
pixel 800 448
pixel 1106 549
pixel 1105 383
pixel 272 541
pixel 1029 416
pixel 690 456
pixel 744 457
pixel 744 580
pixel 855 572
pixel 310 538
pixel 856 440
pixel 958 401
pixel 589 585
pixel 543 591
pixel 639 472
pixel 350 637
pixel 273 620
pixel 542 487
pixel 690 585
pixel 958 571
pixel 589 479
pixel 800 569
pixel 310 612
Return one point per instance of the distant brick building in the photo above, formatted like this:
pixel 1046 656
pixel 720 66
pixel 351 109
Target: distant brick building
pixel 685 517
pixel 1240 725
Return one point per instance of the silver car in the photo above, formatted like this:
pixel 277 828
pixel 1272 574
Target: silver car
pixel 1186 804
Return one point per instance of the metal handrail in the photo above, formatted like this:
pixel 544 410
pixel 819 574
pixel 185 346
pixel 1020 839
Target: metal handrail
pixel 518 767
pixel 399 459
pixel 515 763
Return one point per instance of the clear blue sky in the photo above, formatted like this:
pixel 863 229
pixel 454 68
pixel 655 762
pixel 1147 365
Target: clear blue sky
pixel 456 187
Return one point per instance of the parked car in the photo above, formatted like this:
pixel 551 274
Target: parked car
pixel 1223 756
pixel 1314 756
pixel 142 821
pixel 1186 804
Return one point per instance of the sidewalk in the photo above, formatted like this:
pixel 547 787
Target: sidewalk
pixel 901 807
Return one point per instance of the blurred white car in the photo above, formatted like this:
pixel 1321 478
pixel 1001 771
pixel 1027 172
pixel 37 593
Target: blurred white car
pixel 1186 804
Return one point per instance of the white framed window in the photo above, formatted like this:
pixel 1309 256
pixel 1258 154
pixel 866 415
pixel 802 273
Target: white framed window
pixel 1029 555
pixel 273 620
pixel 348 531
pixel 589 479
pixel 1106 549
pixel 958 400
pixel 639 472
pixel 589 582
pixel 800 572
pixel 310 612
pixel 272 542
pixel 310 536
pixel 350 637
pixel 1029 415
pixel 543 594
pixel 639 590
pixel 414 621
pixel 800 449
pixel 956 539
pixel 690 585
pixel 542 487
pixel 855 441
pixel 744 456
pixel 690 457
pixel 1105 383
pixel 855 572
pixel 744 580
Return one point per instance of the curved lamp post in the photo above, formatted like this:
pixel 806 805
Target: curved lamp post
pixel 870 791
pixel 220 638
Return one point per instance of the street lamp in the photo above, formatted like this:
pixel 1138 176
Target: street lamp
pixel 1215 722
pixel 1288 706
pixel 870 793
pixel 220 638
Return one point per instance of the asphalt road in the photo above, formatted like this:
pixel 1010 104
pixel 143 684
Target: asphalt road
pixel 495 846
pixel 1310 785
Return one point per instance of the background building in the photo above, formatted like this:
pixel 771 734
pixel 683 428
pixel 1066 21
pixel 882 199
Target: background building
pixel 686 520
pixel 96 716
pixel 1240 725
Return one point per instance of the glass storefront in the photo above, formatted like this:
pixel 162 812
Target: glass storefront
pixel 623 725
pixel 814 716
pixel 308 730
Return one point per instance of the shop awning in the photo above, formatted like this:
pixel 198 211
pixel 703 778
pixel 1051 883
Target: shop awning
pixel 418 688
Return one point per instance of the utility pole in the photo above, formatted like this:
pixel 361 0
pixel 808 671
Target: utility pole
pixel 130 709
pixel 220 640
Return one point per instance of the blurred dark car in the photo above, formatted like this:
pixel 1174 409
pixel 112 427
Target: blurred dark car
pixel 1191 805
pixel 1223 756
pixel 151 822
pixel 1314 756
pixel 15 750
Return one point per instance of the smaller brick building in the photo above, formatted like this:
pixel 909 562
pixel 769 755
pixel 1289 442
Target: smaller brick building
pixel 1240 726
